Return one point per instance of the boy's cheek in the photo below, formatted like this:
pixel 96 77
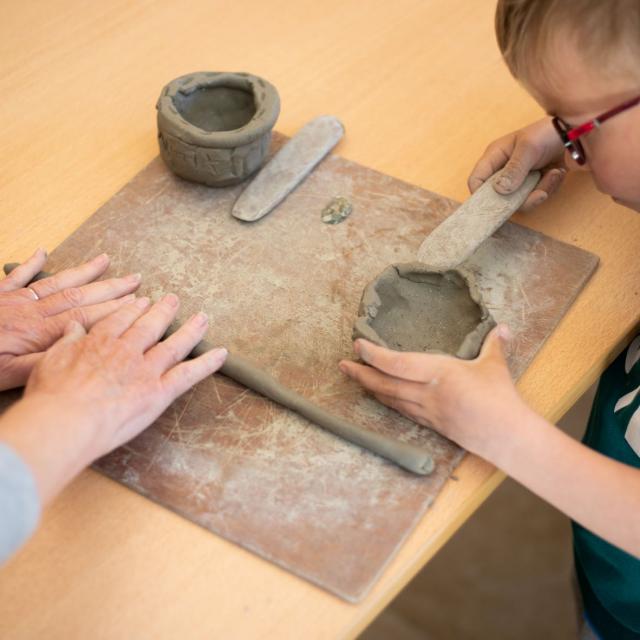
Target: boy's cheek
pixel 621 183
pixel 606 179
pixel 614 167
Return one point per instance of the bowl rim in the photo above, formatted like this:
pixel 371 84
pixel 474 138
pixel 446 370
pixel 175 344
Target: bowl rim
pixel 171 121
pixel 370 302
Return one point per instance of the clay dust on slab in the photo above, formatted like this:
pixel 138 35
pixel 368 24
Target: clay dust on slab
pixel 284 292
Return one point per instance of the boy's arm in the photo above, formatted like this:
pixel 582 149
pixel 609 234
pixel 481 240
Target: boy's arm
pixel 476 404
pixel 601 494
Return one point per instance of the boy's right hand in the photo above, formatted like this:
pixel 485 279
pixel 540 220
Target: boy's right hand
pixel 472 402
pixel 536 146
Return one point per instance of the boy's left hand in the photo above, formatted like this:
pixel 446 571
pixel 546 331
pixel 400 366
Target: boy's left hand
pixel 469 401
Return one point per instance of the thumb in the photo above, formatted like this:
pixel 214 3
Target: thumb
pixel 73 332
pixel 517 168
pixel 497 343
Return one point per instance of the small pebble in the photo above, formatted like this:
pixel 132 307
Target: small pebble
pixel 336 211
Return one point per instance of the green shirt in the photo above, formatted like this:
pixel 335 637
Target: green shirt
pixel 610 578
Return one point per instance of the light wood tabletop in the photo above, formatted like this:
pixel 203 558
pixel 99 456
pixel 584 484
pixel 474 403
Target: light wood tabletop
pixel 422 90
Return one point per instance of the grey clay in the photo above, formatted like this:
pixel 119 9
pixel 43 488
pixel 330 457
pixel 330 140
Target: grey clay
pixel 215 128
pixel 411 307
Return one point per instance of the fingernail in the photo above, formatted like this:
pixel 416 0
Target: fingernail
pixel 103 257
pixel 362 349
pixel 503 331
pixel 219 355
pixel 134 278
pixel 129 298
pixel 200 318
pixel 540 199
pixel 171 299
pixel 42 251
pixel 342 367
pixel 141 303
pixel 504 183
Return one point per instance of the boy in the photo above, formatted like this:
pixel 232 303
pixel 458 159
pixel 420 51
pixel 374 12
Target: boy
pixel 580 60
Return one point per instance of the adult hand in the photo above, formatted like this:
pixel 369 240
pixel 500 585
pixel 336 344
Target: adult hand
pixel 33 316
pixel 91 392
pixel 469 401
pixel 117 378
pixel 537 146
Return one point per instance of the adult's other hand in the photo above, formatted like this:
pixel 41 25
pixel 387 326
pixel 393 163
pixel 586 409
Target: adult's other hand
pixel 33 315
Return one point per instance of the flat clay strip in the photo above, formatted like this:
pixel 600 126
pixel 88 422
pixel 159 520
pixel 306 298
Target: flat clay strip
pixel 241 370
pixel 288 168
pixel 459 235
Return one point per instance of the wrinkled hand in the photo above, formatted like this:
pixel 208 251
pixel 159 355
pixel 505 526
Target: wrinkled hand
pixel 33 317
pixel 117 377
pixel 537 146
pixel 468 401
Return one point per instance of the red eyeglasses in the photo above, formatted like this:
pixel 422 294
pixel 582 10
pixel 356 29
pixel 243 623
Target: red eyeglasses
pixel 570 135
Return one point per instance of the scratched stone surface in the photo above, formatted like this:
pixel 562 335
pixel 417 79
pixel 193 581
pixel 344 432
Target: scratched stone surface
pixel 284 291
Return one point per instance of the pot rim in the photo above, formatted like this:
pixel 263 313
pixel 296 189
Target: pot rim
pixel 469 346
pixel 265 96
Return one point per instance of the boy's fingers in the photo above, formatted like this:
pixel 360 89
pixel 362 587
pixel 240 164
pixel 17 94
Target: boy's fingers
pixel 552 179
pixel 178 346
pixel 410 410
pixel 74 277
pixel 88 294
pixel 380 383
pixel 22 275
pixel 548 185
pixel 405 407
pixel 524 157
pixel 497 343
pixel 534 199
pixel 184 375
pixel 149 328
pixel 116 323
pixel 417 367
pixel 493 159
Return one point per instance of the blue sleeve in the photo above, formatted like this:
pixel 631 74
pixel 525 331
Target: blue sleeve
pixel 19 502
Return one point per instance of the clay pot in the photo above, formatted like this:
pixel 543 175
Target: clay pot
pixel 411 307
pixel 215 128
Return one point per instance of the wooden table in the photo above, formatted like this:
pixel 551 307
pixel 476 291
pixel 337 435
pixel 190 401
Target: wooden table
pixel 422 90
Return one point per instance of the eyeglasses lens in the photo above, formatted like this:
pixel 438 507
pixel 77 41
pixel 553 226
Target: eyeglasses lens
pixel 574 147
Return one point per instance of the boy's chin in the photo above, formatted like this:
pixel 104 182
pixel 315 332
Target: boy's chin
pixel 627 203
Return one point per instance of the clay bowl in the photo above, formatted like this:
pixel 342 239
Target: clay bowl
pixel 215 128
pixel 409 307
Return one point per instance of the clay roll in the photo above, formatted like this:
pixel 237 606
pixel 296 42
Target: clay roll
pixel 236 367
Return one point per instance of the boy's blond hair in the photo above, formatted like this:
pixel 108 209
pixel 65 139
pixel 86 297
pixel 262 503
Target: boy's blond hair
pixel 600 28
